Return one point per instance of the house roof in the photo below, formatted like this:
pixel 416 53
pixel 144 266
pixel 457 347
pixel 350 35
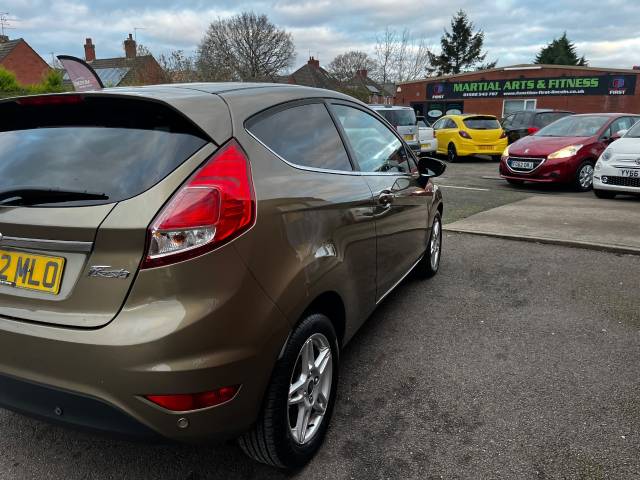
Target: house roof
pixel 373 87
pixel 525 67
pixel 114 71
pixel 314 76
pixel 7 47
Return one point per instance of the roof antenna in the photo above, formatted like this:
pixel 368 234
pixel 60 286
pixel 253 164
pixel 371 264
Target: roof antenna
pixel 4 22
pixel 135 32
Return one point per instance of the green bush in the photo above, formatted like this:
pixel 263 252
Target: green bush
pixel 9 86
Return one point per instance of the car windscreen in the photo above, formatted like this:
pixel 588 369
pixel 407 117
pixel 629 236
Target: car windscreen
pixel 86 148
pixel 481 123
pixel 399 118
pixel 546 118
pixel 634 131
pixel 574 126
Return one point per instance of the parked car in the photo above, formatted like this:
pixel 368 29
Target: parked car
pixel 527 122
pixel 470 134
pixel 618 168
pixel 428 142
pixel 564 151
pixel 189 263
pixel 404 120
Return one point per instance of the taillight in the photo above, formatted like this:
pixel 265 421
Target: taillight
pixel 213 207
pixel 503 134
pixel 70 99
pixel 194 401
pixel 532 130
pixel 464 134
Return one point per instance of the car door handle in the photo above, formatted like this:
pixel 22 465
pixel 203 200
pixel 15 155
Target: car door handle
pixel 386 198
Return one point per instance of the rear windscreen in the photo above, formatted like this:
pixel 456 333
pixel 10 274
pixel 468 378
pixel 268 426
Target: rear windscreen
pixel 399 118
pixel 481 123
pixel 116 147
pixel 544 119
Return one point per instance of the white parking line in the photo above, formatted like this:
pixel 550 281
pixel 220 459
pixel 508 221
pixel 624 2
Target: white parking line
pixel 465 188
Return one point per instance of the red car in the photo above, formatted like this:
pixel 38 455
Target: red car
pixel 564 151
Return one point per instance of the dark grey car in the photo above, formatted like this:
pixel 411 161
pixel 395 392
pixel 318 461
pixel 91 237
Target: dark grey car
pixel 188 261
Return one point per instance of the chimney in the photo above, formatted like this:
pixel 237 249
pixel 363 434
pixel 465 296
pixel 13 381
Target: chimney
pixel 4 39
pixel 313 62
pixel 130 47
pixel 89 50
pixel 362 73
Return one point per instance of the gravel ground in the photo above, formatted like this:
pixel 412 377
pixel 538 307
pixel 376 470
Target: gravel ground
pixel 518 360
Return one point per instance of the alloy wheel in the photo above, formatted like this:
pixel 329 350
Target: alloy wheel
pixel 585 177
pixel 435 244
pixel 310 388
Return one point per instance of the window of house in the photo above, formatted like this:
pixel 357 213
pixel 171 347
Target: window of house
pixel 510 106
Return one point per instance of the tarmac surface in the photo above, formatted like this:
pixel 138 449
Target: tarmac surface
pixel 518 360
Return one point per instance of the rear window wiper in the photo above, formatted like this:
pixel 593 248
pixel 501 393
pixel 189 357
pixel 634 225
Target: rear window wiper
pixel 38 195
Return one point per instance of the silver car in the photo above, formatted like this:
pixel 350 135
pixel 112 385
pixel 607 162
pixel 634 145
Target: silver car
pixel 404 120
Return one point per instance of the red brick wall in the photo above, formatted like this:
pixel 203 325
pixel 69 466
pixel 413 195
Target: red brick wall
pixel 417 92
pixel 28 66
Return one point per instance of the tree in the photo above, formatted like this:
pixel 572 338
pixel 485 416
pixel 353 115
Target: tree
pixel 461 50
pixel 400 57
pixel 345 65
pixel 246 46
pixel 560 52
pixel 179 67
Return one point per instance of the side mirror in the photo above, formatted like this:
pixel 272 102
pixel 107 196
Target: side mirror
pixel 429 167
pixel 619 134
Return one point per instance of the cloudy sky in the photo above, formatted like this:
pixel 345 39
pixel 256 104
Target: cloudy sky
pixel 605 31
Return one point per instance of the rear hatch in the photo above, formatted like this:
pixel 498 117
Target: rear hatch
pixel 483 128
pixel 81 178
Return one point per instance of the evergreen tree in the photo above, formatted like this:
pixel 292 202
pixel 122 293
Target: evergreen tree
pixel 560 52
pixel 461 50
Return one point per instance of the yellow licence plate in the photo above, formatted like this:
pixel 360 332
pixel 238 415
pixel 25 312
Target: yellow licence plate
pixel 486 147
pixel 408 137
pixel 30 271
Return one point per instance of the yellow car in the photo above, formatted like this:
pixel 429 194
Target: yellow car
pixel 469 134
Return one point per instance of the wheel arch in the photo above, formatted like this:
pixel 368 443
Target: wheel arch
pixel 329 303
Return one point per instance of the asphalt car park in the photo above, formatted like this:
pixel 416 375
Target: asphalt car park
pixel 516 361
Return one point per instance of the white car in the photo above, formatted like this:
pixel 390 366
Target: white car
pixel 618 168
pixel 426 137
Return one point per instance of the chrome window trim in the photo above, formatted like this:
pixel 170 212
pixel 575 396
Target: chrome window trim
pixel 356 173
pixel 41 244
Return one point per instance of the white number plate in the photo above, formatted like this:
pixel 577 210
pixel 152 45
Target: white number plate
pixel 518 164
pixel 630 173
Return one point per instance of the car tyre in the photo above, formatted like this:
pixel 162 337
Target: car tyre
pixel 584 177
pixel 430 263
pixel 452 153
pixel 273 440
pixel 604 194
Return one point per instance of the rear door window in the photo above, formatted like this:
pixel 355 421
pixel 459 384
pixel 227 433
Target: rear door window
pixel 481 123
pixel 115 147
pixel 519 120
pixel 399 117
pixel 303 135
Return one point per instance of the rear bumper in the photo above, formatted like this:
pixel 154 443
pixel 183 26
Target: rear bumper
pixel 466 148
pixel 429 145
pixel 59 406
pixel 203 339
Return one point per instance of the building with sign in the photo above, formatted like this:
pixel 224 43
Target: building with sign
pixel 500 91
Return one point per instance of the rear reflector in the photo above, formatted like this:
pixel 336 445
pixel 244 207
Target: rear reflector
pixel 50 100
pixel 213 207
pixel 194 401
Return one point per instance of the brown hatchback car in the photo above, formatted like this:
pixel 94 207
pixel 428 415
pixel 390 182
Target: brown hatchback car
pixel 188 261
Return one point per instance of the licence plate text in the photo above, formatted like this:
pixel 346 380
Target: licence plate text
pixel 31 271
pixel 408 138
pixel 518 164
pixel 630 173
